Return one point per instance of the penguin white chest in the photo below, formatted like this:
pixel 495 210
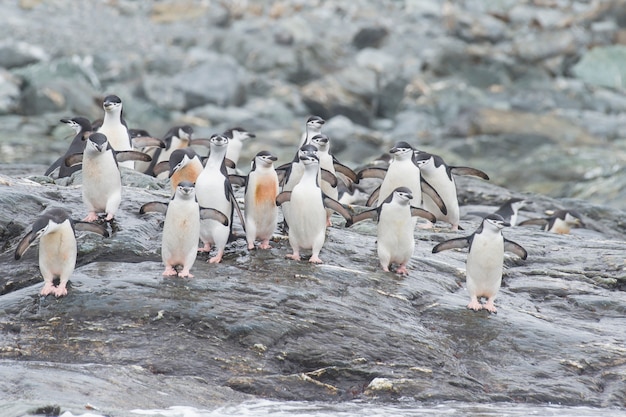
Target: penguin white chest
pixel 57 253
pixel 395 234
pixel 484 264
pixel 211 191
pixel 308 216
pixel 401 174
pixel 101 180
pixel 181 232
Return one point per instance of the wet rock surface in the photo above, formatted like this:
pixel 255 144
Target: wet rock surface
pixel 530 92
pixel 258 324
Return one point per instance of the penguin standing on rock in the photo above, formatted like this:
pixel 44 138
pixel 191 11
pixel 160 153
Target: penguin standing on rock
pixel 485 260
pixel 307 214
pixel 214 190
pixel 261 212
pixel 57 247
pixel 114 126
pixel 395 242
pixel 181 230
pixel 509 210
pixel 439 175
pixel 403 171
pixel 102 183
pixel 82 127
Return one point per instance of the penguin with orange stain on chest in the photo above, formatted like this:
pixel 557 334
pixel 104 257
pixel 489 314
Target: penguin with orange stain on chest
pixel 261 212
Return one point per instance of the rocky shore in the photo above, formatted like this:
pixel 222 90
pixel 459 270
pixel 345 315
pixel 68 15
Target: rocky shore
pixel 530 92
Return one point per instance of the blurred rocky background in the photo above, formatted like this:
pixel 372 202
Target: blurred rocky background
pixel 532 92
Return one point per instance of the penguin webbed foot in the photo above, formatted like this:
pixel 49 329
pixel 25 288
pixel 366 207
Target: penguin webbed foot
pixel 401 270
pixel 475 305
pixel 294 256
pixel 314 259
pixel 47 289
pixel 217 258
pixel 169 271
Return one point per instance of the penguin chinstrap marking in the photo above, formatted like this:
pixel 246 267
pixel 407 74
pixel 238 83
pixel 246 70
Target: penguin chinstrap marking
pixel 307 214
pixel 181 230
pixel 403 171
pixel 114 126
pixel 82 129
pixel 395 242
pixel 485 260
pixel 102 182
pixel 214 190
pixel 55 231
pixel 260 208
pixel 440 177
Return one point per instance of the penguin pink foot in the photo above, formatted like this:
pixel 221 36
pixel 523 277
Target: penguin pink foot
pixel 475 305
pixel 60 291
pixel 295 256
pixel 265 244
pixel 401 270
pixel 205 248
pixel 185 273
pixel 314 259
pixel 169 271
pixel 92 216
pixel 490 307
pixel 217 258
pixel 48 288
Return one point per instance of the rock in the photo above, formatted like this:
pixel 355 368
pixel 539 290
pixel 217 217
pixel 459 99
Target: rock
pixel 603 66
pixel 20 54
pixel 370 37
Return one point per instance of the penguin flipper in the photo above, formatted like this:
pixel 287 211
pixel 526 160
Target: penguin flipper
pixel 123 156
pixel 154 207
pixel 283 197
pixel 56 164
pixel 239 180
pixel 147 141
pixel 372 172
pixel 539 222
pixel 210 213
pixel 91 227
pixel 469 171
pixel 24 244
pixel 160 168
pixel 329 177
pixel 432 193
pixel 458 243
pixel 367 214
pixel 233 201
pixel 510 246
pixel 416 211
pixel 341 168
pixel 74 159
pixel 333 204
pixel 281 176
pixel 373 197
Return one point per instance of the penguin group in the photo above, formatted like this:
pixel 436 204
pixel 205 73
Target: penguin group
pixel 413 186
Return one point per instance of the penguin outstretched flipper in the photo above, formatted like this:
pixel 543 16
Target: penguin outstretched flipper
pixel 364 215
pixel 517 249
pixel 425 214
pixel 56 164
pixel 283 197
pixel 469 171
pixel 147 142
pixel 73 160
pixel 457 243
pixel 337 207
pixel 344 170
pixel 91 227
pixel 329 177
pixel 154 207
pixel 372 172
pixel 373 197
pixel 123 156
pixel 236 179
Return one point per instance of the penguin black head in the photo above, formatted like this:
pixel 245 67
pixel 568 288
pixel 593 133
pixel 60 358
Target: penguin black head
pixel 401 148
pixel 309 159
pixel 403 194
pixel 78 124
pixel 495 221
pixel 308 149
pixel 321 141
pixel 98 141
pixel 111 101
pixel 185 189
pixel 238 133
pixel 315 121
pixel 218 140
